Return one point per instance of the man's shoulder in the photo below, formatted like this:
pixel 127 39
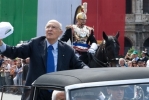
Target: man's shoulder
pixel 39 38
pixel 90 28
pixel 69 26
pixel 64 44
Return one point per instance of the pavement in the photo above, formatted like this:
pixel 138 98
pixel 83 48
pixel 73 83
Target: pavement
pixel 9 96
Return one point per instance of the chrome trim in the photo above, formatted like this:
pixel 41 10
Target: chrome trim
pixel 103 83
pixel 34 93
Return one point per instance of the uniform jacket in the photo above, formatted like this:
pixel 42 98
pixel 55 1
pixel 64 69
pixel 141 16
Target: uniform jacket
pixel 68 35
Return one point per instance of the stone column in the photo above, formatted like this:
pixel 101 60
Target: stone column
pixel 138 6
pixel 141 2
pixel 138 16
pixel 133 6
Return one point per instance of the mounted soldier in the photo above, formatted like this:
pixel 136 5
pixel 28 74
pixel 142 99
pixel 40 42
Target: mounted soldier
pixel 80 35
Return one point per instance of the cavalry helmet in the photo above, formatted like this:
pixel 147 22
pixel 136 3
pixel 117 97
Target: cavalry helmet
pixel 81 15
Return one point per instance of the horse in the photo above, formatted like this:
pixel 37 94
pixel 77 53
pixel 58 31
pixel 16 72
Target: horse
pixel 107 52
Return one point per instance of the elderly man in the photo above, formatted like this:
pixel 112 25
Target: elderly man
pixel 122 62
pixel 47 54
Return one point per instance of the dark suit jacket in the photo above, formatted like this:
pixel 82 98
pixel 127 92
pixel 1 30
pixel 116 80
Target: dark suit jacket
pixel 144 59
pixel 36 49
pixel 25 71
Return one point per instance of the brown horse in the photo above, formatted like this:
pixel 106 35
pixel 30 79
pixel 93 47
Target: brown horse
pixel 107 52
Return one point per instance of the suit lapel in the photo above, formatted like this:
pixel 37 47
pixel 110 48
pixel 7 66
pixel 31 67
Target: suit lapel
pixel 61 55
pixel 43 49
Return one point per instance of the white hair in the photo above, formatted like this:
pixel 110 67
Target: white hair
pixel 53 20
pixel 122 59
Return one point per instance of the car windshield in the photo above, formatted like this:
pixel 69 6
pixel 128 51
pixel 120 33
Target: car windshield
pixel 121 92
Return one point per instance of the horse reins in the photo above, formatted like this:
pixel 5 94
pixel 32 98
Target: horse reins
pixel 98 61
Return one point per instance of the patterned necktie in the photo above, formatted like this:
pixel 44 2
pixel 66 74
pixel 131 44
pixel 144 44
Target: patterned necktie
pixel 50 60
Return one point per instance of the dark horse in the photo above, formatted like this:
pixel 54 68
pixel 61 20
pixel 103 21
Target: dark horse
pixel 107 52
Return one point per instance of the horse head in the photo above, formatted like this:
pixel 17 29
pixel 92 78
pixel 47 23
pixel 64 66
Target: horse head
pixel 107 52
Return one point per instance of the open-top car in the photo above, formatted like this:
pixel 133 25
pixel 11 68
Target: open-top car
pixel 96 84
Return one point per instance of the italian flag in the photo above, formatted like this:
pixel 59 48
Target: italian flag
pixel 29 17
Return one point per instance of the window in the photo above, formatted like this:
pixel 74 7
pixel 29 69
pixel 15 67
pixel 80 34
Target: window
pixel 145 6
pixel 128 6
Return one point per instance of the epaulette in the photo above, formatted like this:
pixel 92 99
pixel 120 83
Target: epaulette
pixel 68 26
pixel 90 28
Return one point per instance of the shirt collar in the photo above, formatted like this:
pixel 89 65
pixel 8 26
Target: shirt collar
pixel 55 45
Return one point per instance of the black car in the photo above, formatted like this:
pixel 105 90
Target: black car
pixel 115 83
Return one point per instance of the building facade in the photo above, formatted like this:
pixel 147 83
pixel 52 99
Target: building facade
pixel 137 25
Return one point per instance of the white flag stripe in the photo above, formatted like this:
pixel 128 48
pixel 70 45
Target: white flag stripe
pixel 61 10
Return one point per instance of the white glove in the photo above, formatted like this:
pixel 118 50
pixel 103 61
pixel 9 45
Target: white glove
pixel 90 50
pixel 93 48
pixel 6 29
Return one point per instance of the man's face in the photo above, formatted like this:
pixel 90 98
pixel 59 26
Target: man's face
pixel 140 63
pixel 129 63
pixel 135 55
pixel 116 92
pixel 82 21
pixel 27 60
pixel 122 62
pixel 53 31
pixel 18 64
pixel 6 61
pixel 60 96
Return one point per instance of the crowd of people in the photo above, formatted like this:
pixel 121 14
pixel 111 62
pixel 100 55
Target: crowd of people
pixel 13 72
pixel 133 60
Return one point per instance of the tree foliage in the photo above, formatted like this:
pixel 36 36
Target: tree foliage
pixel 133 49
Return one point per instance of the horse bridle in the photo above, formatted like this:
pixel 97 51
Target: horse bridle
pixel 113 59
pixel 107 58
pixel 99 62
